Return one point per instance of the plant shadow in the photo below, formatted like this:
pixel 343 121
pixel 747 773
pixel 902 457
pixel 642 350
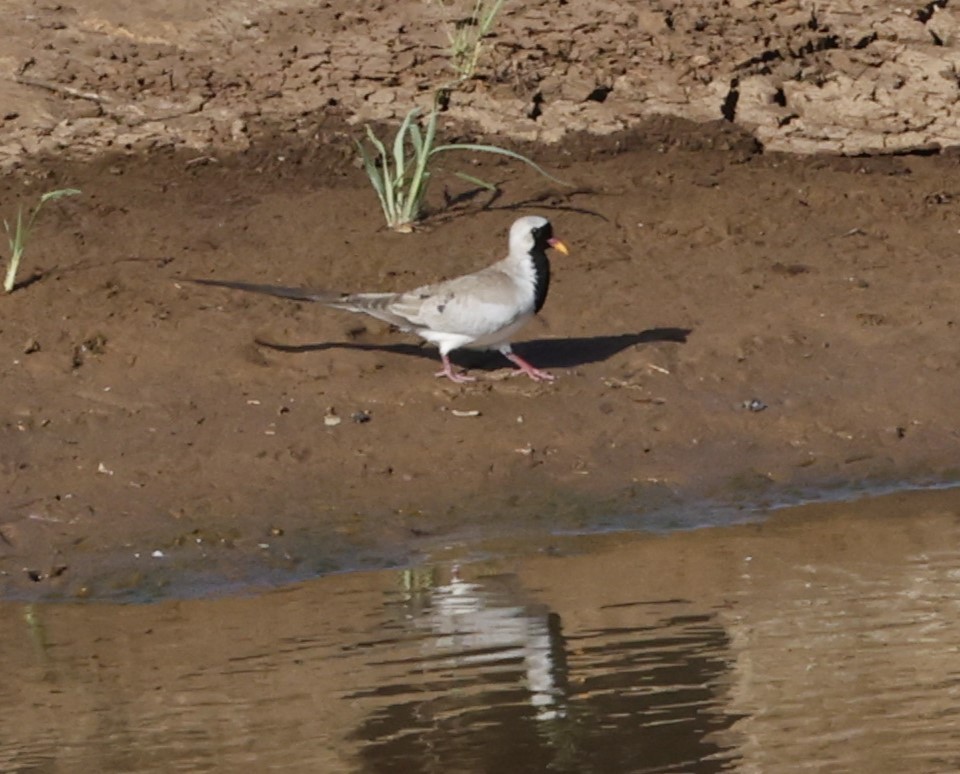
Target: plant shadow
pixel 471 202
pixel 33 278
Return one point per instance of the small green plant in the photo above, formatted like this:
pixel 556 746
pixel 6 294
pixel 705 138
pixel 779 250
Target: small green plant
pixel 400 176
pixel 18 235
pixel 466 37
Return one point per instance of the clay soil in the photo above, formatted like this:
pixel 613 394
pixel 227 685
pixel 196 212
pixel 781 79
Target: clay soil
pixel 733 324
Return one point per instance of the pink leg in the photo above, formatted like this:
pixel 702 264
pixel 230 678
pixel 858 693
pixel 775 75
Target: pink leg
pixel 534 373
pixel 452 375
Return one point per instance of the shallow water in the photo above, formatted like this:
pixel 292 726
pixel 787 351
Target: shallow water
pixel 823 639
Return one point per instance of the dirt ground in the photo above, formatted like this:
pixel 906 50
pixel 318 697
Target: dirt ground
pixel 734 323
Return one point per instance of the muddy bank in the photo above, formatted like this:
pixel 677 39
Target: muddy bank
pixel 733 323
pixel 730 324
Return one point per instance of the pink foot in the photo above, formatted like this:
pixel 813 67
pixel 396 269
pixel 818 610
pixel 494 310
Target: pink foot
pixel 452 375
pixel 534 373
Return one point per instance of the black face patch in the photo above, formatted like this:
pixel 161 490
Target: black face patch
pixel 542 236
pixel 541 264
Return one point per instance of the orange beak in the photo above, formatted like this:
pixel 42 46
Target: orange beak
pixel 556 244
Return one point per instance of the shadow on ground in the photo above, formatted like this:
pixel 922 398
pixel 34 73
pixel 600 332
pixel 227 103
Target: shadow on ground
pixel 548 353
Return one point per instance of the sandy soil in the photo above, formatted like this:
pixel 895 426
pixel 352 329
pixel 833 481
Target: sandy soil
pixel 733 323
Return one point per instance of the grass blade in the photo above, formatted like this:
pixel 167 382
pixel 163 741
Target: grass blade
pixel 399 143
pixel 21 233
pixel 49 196
pixel 476 181
pixel 376 180
pixel 420 176
pixel 16 250
pixel 389 185
pixel 501 152
pixel 485 18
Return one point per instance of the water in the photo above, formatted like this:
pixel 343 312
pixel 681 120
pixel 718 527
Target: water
pixel 824 639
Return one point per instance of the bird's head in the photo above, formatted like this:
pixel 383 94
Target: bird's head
pixel 533 234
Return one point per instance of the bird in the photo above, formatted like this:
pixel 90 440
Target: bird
pixel 483 310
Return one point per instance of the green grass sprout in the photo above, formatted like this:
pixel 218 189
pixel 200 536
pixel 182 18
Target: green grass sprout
pixel 19 234
pixel 466 35
pixel 466 39
pixel 400 175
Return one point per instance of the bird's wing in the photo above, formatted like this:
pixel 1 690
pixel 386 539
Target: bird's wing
pixel 474 305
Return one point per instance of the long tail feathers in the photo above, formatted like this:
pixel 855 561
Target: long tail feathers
pixel 296 294
pixel 375 304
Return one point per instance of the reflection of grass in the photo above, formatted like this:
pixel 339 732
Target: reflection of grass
pixel 37 629
pixel 417 579
pixel 18 235
pixel 400 175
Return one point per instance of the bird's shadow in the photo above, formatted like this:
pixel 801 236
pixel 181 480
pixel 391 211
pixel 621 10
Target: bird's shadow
pixel 546 353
